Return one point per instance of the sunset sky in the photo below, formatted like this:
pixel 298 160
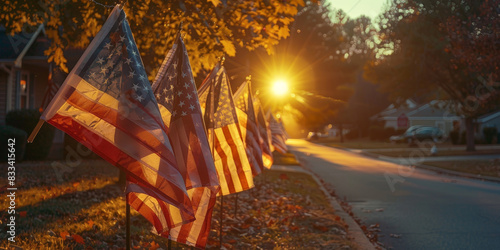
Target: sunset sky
pixel 356 8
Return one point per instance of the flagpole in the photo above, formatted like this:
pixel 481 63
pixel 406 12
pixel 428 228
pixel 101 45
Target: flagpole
pixel 35 130
pixel 127 222
pixel 221 213
pixel 236 205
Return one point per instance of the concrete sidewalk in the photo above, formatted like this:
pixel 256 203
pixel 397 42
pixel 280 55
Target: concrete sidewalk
pixel 355 231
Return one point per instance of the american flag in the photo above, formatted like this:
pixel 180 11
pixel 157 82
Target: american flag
pixel 265 134
pixel 177 97
pixel 107 104
pixel 279 135
pixel 248 125
pixel 51 91
pixel 231 161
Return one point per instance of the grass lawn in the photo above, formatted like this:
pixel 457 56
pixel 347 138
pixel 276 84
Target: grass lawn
pixel 83 208
pixel 359 144
pixel 484 168
pixel 284 159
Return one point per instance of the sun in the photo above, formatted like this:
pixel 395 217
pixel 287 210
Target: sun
pixel 280 87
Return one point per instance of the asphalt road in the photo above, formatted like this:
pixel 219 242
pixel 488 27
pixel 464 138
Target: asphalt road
pixel 427 210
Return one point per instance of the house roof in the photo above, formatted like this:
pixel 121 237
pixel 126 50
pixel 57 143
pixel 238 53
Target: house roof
pixel 432 110
pixel 23 45
pixel 487 117
pixel 392 111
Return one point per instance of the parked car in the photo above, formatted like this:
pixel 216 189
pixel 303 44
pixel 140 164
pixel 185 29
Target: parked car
pixel 418 133
pixel 428 133
pixel 407 134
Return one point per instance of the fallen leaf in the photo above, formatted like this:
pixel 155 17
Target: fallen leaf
pixel 90 223
pixel 284 176
pixel 321 228
pixel 154 246
pixel 23 213
pixel 64 234
pixel 76 184
pixel 78 238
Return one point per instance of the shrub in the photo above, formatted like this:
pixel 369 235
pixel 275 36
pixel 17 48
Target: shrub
pixel 8 132
pixel 455 137
pixel 489 133
pixel 352 134
pixel 376 133
pixel 26 120
pixel 400 131
pixel 388 132
pixel 463 137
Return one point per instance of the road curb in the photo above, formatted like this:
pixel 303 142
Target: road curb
pixel 354 230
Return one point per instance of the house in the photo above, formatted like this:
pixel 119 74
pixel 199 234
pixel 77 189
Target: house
pixel 24 75
pixel 23 70
pixel 487 121
pixel 432 114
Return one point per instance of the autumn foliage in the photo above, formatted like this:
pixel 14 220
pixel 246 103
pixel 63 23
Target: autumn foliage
pixel 211 28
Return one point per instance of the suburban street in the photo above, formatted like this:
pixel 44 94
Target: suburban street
pixel 420 209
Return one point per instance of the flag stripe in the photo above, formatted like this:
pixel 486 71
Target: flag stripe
pixel 117 157
pixel 194 153
pixel 228 180
pixel 250 141
pixel 140 206
pixel 241 174
pixel 204 200
pixel 161 214
pixel 111 116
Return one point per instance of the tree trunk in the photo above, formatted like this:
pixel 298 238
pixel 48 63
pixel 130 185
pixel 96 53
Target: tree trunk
pixel 469 134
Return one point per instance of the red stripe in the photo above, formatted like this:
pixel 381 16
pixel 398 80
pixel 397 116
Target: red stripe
pixel 237 160
pixel 115 156
pixel 185 230
pixel 205 229
pixel 147 212
pixel 225 168
pixel 250 141
pixel 121 122
pixel 200 149
pixel 192 154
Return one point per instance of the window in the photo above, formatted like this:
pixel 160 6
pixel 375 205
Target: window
pixel 24 90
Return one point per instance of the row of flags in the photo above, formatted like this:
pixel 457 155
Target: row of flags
pixel 180 147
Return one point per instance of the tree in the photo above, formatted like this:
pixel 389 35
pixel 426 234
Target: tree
pixel 316 59
pixel 211 28
pixel 439 49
